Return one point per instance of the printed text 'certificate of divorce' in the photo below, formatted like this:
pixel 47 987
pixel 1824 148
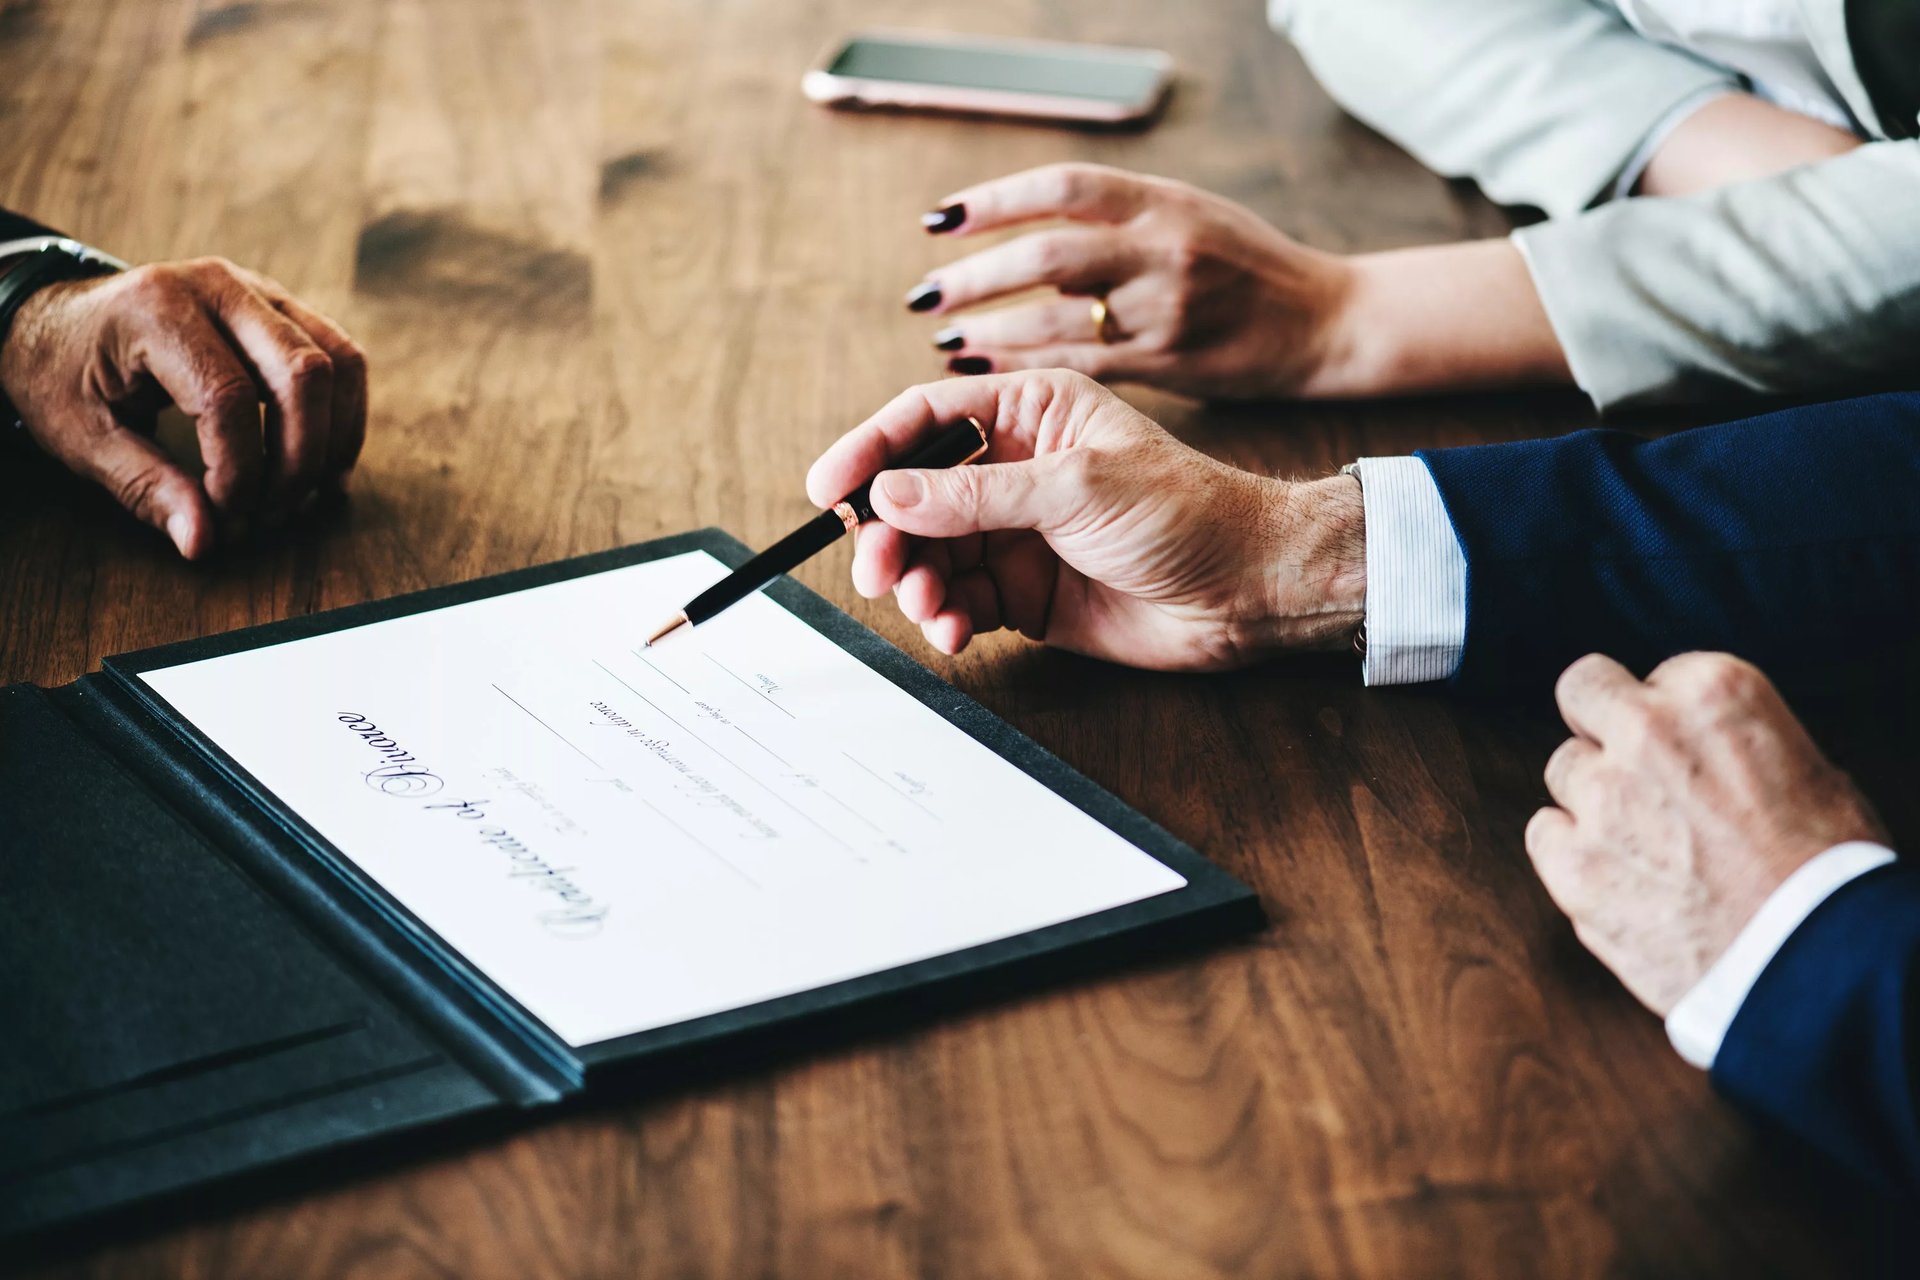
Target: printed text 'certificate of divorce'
pixel 624 838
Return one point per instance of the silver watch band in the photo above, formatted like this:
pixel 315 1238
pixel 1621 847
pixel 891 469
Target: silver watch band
pixel 84 252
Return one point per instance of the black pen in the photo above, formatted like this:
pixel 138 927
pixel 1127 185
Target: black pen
pixel 951 446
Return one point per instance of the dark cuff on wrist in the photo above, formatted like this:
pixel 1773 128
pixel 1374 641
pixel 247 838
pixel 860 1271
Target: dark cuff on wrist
pixel 21 278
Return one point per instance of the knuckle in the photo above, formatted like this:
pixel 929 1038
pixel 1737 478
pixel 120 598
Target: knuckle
pixel 231 395
pixel 1607 785
pixel 1077 469
pixel 1161 222
pixel 1642 722
pixel 1048 255
pixel 963 486
pixel 1072 384
pixel 1654 738
pixel 1181 303
pixel 350 362
pixel 308 366
pixel 1546 846
pixel 1068 182
pixel 1578 672
pixel 231 392
pixel 211 268
pixel 1184 253
pixel 1682 666
pixel 153 283
pixel 1644 729
pixel 1561 760
pixel 1535 835
pixel 1027 396
pixel 1071 390
pixel 305 466
pixel 1692 668
pixel 1726 678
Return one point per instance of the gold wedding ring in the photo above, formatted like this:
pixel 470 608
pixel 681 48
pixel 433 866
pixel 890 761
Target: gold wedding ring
pixel 1103 321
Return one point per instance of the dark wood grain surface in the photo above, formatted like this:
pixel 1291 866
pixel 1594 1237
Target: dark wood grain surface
pixel 617 279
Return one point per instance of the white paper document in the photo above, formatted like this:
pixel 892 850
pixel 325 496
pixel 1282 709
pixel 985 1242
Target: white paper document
pixel 624 838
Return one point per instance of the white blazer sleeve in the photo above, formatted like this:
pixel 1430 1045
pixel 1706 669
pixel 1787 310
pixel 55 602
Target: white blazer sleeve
pixel 1542 102
pixel 1805 282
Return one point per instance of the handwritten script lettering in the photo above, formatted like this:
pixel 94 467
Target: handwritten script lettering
pixel 575 913
pixel 400 774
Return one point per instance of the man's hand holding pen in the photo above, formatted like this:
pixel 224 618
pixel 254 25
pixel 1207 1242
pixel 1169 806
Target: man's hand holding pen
pixel 1089 527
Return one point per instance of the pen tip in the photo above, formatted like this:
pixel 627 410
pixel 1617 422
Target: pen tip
pixel 678 620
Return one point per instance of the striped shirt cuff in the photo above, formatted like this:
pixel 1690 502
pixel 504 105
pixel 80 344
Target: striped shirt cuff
pixel 1416 575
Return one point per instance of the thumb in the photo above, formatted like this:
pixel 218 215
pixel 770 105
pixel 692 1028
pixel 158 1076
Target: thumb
pixel 150 485
pixel 975 499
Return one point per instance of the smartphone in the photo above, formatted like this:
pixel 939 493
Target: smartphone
pixel 1037 79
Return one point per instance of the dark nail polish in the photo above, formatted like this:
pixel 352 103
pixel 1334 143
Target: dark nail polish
pixel 943 219
pixel 924 297
pixel 949 340
pixel 969 364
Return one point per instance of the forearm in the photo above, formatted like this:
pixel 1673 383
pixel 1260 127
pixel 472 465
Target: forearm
pixel 1737 137
pixel 1787 539
pixel 1472 316
pixel 1440 318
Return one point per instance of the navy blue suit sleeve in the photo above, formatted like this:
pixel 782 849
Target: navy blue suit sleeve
pixel 1825 1043
pixel 1787 539
pixel 15 227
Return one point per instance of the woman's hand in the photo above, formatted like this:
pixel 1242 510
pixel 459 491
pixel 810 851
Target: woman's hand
pixel 1087 526
pixel 277 391
pixel 1202 296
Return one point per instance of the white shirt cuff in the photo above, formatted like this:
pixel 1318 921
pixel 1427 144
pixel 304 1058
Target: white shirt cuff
pixel 1416 575
pixel 1699 1022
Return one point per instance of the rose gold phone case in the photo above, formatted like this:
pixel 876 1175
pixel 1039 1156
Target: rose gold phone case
pixel 823 86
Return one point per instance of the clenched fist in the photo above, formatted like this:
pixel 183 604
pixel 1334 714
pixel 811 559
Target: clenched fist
pixel 1680 804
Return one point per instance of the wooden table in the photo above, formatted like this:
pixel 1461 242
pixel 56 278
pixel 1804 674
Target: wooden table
pixel 618 279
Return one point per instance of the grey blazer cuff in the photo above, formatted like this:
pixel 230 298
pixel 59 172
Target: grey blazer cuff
pixel 1542 102
pixel 1805 282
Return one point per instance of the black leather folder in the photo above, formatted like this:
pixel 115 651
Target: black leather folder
pixel 195 985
